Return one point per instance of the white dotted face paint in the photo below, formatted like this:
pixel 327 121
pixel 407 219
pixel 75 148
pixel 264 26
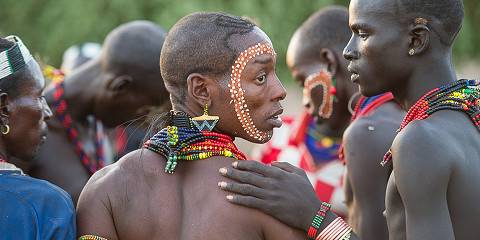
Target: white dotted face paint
pixel 237 93
pixel 324 80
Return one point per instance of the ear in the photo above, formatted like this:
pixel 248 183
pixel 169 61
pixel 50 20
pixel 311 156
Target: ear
pixel 419 39
pixel 4 108
pixel 200 88
pixel 328 57
pixel 120 84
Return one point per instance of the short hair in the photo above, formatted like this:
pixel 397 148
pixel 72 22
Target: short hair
pixel 12 83
pixel 199 43
pixel 326 28
pixel 450 13
pixel 134 48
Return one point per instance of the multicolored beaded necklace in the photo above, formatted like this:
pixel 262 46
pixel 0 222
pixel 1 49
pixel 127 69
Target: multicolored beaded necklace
pixel 181 141
pixel 61 112
pixel 462 95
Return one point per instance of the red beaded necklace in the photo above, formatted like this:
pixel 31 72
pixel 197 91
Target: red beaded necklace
pixel 61 112
pixel 364 107
pixel 462 95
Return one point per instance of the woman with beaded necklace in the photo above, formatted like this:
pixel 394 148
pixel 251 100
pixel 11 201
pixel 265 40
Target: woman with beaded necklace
pixel 220 73
pixel 30 208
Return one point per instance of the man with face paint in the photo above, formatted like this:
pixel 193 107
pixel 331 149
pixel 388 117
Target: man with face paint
pixel 315 59
pixel 405 47
pixel 220 72
pixel 118 86
pixel 312 140
pixel 314 56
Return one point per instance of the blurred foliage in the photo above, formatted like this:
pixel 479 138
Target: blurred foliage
pixel 50 26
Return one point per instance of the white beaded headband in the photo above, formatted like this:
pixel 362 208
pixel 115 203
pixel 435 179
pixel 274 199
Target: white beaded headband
pixel 15 58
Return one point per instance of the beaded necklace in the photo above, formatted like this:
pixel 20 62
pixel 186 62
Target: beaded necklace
pixel 462 95
pixel 181 141
pixel 61 112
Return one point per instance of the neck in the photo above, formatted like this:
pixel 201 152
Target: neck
pixel 80 88
pixel 424 79
pixel 340 119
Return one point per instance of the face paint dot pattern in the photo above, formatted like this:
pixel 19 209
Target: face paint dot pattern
pixel 237 93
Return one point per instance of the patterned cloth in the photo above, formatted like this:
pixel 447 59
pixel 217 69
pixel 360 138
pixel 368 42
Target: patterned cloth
pixel 33 209
pixel 291 143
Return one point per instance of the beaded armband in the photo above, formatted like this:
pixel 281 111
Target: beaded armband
pixel 91 237
pixel 317 220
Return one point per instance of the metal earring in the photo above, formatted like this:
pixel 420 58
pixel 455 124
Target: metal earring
pixel 205 122
pixel 5 129
pixel 411 52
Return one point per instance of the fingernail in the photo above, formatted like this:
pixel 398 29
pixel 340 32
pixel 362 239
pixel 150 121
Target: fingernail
pixel 222 184
pixel 229 197
pixel 223 171
pixel 235 164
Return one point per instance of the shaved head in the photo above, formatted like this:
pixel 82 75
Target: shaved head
pixel 134 48
pixel 199 43
pixel 447 14
pixel 327 28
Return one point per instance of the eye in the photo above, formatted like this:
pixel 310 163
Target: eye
pixel 363 35
pixel 261 79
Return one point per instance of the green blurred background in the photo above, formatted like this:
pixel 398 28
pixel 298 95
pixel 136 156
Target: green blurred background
pixel 48 27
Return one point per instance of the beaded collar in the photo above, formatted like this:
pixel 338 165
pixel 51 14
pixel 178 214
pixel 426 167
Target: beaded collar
pixel 462 95
pixel 60 107
pixel 180 141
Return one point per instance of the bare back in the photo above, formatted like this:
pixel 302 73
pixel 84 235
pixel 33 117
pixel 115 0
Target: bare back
pixel 432 194
pixel 144 202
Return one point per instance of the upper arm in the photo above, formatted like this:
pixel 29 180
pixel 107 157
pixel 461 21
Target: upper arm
pixel 422 162
pixel 364 150
pixel 94 215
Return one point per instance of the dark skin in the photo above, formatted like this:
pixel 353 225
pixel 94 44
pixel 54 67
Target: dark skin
pixel 26 115
pixel 366 180
pixel 328 59
pixel 136 189
pixel 441 206
pixel 114 89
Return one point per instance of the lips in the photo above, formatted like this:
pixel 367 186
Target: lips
pixel 275 119
pixel 355 76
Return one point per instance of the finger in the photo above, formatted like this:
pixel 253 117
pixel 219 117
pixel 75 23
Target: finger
pixel 243 176
pixel 243 189
pixel 248 201
pixel 289 168
pixel 257 167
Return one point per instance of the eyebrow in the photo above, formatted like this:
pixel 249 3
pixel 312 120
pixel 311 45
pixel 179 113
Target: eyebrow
pixel 356 26
pixel 267 60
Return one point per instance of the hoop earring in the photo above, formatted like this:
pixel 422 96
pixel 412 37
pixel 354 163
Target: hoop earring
pixel 205 122
pixel 5 129
pixel 350 102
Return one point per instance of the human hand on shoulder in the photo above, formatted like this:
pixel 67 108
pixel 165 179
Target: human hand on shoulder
pixel 280 190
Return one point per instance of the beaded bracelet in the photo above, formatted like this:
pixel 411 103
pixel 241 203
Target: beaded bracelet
pixel 336 230
pixel 91 237
pixel 317 220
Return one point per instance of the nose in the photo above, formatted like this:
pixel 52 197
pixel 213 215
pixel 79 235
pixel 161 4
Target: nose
pixel 279 91
pixel 349 52
pixel 47 112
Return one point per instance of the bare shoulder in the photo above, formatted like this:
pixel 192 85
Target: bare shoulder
pixel 424 155
pixel 368 138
